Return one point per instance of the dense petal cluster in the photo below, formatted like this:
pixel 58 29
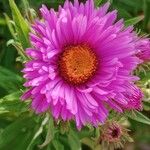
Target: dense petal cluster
pixel 72 27
pixel 134 97
pixel 143 48
pixel 114 135
pixel 111 132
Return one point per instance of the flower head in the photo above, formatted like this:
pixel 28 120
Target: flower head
pixel 114 135
pixel 82 60
pixel 143 48
pixel 111 132
pixel 134 97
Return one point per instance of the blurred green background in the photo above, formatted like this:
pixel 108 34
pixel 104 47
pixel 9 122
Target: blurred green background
pixel 10 68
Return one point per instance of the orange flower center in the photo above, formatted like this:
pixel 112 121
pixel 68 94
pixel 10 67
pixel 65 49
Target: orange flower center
pixel 78 64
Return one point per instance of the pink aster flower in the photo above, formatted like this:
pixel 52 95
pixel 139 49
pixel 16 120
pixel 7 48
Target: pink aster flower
pixel 82 60
pixel 143 48
pixel 133 96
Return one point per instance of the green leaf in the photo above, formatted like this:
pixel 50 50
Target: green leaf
pixel 7 54
pixel 63 138
pixel 2 22
pixel 50 133
pixel 17 135
pixel 130 3
pixel 146 105
pixel 74 141
pixel 85 132
pixel 21 25
pixel 9 80
pixel 29 12
pixel 144 76
pixel 137 116
pixel 97 3
pixel 19 48
pixel 57 145
pixel 134 21
pixel 146 13
pixel 12 103
pixel 123 13
pixel 10 25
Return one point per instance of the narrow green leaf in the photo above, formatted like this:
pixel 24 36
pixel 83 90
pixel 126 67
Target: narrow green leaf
pixel 137 116
pixel 85 132
pixel 2 22
pixel 19 48
pixel 30 13
pixel 144 76
pixel 38 132
pixel 146 8
pixel 130 3
pixel 134 21
pixel 97 3
pixel 74 141
pixel 50 133
pixel 57 145
pixel 14 81
pixel 12 75
pixel 64 140
pixel 21 25
pixel 12 103
pixel 10 25
pixel 123 13
pixel 146 105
